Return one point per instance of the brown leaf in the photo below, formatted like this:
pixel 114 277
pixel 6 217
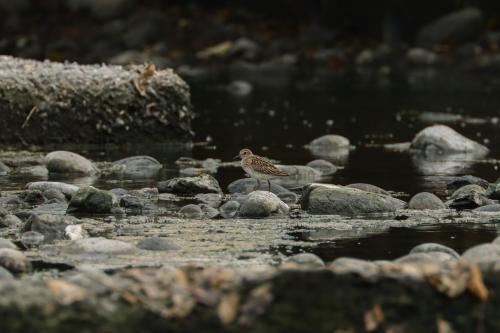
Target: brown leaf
pixel 373 317
pixel 65 292
pixel 228 307
pixel 476 285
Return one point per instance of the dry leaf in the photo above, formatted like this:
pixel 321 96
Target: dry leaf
pixel 65 292
pixel 373 318
pixel 228 307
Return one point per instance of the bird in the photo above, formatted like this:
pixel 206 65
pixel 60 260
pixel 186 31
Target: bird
pixel 259 168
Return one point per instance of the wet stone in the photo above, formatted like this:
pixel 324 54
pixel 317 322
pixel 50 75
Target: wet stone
pixel 434 247
pixel 356 266
pixel 54 194
pixel 14 261
pixel 191 211
pixel 247 185
pixel 298 175
pixel 66 162
pixel 461 181
pixel 33 197
pixel 469 197
pixel 67 189
pixel 52 227
pixel 157 244
pixel 99 246
pixel 483 253
pixel 368 188
pixel 306 259
pixel 417 257
pixel 441 138
pixel 262 204
pixel 491 208
pixel 37 171
pixel 211 199
pixel 91 200
pixel 289 198
pixel 32 239
pixel 229 209
pixel 325 167
pixel 190 185
pixel 7 244
pixel 130 230
pixel 425 200
pixel 139 167
pixel 208 211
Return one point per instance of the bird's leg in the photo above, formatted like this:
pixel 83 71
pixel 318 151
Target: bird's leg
pixel 269 185
pixel 258 185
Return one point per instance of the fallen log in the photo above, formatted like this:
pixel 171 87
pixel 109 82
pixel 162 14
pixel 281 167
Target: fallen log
pixel 49 102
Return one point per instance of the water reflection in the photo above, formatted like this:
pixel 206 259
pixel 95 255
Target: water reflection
pixel 435 163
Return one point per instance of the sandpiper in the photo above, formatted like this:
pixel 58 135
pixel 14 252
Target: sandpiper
pixel 258 168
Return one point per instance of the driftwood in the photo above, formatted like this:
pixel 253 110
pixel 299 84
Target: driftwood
pixel 48 102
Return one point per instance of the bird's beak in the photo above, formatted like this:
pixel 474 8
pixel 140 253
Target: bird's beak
pixel 236 157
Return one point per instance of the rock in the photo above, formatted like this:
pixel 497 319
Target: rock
pixel 419 56
pixel 67 189
pixel 37 171
pixel 98 245
pixel 368 188
pixel 423 257
pixel 190 185
pixel 191 212
pixel 469 197
pixel 74 232
pixel 289 198
pixel 491 208
pixel 229 209
pixel 7 244
pixel 156 244
pixel 66 162
pixel 425 200
pixel 14 261
pixel 455 27
pixel 247 185
pixel 461 181
pixel 434 247
pixel 239 88
pixel 262 204
pixel 10 221
pixel 54 194
pixel 325 167
pixel 333 199
pixel 32 239
pixel 209 212
pixel 32 197
pixel 89 199
pixel 329 142
pixel 298 175
pixel 356 266
pixel 212 199
pixel 5 274
pixel 443 139
pixel 483 253
pixel 306 259
pixel 131 203
pixel 139 167
pixel 4 170
pixel 52 227
pixel 493 191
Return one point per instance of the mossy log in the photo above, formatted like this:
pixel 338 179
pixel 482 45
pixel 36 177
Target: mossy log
pixel 225 300
pixel 49 102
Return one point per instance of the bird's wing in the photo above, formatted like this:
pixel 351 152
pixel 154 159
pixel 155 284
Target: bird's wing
pixel 261 165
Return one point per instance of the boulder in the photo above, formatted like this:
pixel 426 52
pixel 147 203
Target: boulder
pixel 425 200
pixel 458 182
pixel 368 188
pixel 469 197
pixel 190 185
pixel 191 212
pixel 229 209
pixel 138 167
pixel 262 204
pixel 455 27
pixel 65 162
pixel 67 189
pixel 298 175
pixel 326 168
pixel 89 199
pixel 52 227
pixel 434 247
pixel 443 139
pixel 341 200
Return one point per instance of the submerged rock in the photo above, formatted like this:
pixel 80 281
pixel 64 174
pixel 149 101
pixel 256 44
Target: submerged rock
pixel 190 185
pixel 139 167
pixel 247 185
pixel 66 162
pixel 425 200
pixel 325 167
pixel 461 181
pixel 368 188
pixel 469 197
pixel 262 204
pixel 333 199
pixel 332 147
pixel 91 200
pixel 443 139
pixel 14 261
pixel 491 208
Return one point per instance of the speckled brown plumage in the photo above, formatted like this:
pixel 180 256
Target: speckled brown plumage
pixel 260 165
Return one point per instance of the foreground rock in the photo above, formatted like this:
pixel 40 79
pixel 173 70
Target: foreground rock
pixel 262 204
pixel 91 200
pixel 333 199
pixel 443 139
pixel 425 200
pixel 66 162
pixel 190 185
pixel 82 104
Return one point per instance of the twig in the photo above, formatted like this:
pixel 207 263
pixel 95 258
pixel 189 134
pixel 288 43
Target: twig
pixel 28 117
